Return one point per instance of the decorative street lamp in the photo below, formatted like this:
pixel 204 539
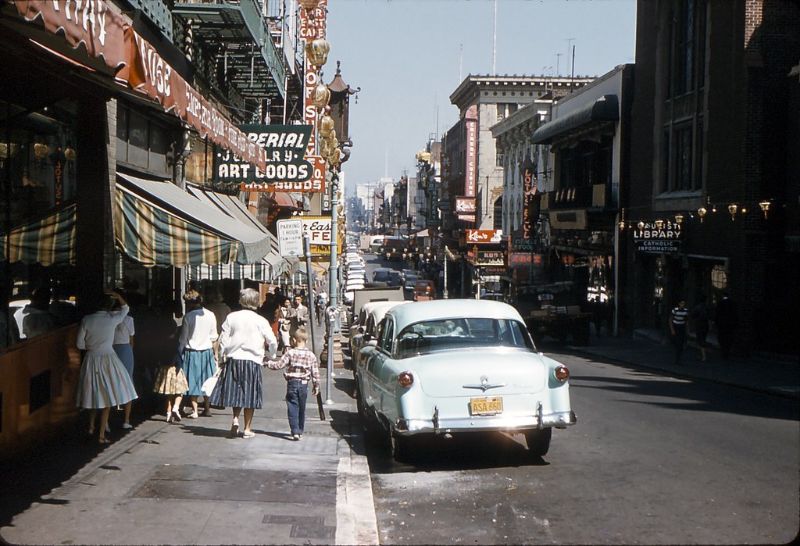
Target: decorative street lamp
pixel 317 52
pixel 764 207
pixel 732 208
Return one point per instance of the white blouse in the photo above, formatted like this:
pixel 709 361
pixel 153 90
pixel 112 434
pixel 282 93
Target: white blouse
pixel 124 332
pixel 244 336
pixel 96 332
pixel 199 330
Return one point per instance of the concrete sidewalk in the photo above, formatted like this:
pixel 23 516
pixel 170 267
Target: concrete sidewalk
pixel 760 373
pixel 188 483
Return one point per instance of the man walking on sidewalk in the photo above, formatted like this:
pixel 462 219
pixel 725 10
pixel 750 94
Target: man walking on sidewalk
pixel 677 327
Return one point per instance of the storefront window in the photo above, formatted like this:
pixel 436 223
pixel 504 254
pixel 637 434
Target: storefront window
pixel 38 179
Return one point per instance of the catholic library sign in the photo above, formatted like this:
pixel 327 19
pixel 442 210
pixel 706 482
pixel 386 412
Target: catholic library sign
pixel 657 237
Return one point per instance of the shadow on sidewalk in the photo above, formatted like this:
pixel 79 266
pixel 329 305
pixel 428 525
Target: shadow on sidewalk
pixel 26 476
pixel 348 426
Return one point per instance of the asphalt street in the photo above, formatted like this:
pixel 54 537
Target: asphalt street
pixel 652 459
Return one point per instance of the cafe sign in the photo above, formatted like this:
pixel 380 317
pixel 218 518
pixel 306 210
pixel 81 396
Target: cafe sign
pixel 657 237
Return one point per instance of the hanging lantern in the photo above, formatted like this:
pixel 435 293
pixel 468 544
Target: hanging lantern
pixel 640 225
pixel 679 219
pixel 621 225
pixel 322 95
pixel 701 212
pixel 764 207
pixel 732 208
pixel 317 51
pixel 326 125
pixel 334 158
pixel 69 153
pixel 659 224
pixel 40 150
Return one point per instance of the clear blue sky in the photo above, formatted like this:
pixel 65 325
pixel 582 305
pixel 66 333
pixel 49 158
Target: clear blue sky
pixel 404 54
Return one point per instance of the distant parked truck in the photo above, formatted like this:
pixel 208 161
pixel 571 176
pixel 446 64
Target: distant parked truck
pixel 374 243
pixel 393 248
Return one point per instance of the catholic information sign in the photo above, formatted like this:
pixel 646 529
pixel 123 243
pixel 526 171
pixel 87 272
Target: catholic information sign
pixel 657 237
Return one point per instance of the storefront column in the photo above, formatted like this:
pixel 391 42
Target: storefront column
pixel 94 232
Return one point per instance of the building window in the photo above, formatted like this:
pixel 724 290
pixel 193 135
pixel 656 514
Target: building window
pixel 142 142
pixel 687 48
pixel 682 157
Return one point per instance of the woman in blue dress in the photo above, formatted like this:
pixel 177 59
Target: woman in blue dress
pixel 197 339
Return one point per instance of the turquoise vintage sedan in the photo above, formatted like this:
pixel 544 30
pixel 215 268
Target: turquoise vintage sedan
pixel 455 366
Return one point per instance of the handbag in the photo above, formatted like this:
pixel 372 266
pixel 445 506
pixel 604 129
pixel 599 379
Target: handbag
pixel 208 385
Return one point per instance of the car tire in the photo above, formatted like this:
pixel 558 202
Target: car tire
pixel 538 441
pixel 398 447
pixel 371 425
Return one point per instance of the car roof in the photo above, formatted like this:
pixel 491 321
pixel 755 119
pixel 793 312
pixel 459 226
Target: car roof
pixel 378 309
pixel 452 308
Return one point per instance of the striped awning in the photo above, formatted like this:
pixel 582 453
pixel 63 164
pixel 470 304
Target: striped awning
pixel 48 241
pixel 254 272
pixel 157 223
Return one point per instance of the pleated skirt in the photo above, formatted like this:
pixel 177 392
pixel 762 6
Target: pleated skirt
pixel 104 382
pixel 125 353
pixel 170 380
pixel 198 366
pixel 239 385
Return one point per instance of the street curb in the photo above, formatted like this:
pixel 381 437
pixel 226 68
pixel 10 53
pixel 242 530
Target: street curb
pixel 678 374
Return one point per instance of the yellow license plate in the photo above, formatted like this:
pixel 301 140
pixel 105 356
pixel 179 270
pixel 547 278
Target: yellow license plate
pixel 486 406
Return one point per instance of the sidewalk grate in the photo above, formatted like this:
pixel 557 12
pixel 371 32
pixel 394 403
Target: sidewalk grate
pixel 194 482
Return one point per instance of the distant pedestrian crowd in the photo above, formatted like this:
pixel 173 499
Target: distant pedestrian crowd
pixel 216 355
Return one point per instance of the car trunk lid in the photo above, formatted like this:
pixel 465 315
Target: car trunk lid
pixel 479 372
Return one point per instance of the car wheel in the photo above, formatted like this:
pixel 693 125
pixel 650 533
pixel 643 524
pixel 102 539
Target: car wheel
pixel 538 441
pixel 367 418
pixel 399 447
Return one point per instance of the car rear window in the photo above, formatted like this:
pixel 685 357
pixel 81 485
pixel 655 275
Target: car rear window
pixel 442 335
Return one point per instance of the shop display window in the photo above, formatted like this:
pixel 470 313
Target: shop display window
pixel 38 155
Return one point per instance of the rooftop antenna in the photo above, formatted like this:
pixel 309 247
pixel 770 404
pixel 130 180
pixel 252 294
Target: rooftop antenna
pixel 494 40
pixel 572 78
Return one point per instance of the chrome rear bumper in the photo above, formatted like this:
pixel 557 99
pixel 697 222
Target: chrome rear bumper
pixel 438 425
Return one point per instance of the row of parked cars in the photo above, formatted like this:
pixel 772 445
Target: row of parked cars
pixel 415 287
pixel 449 367
pixel 355 272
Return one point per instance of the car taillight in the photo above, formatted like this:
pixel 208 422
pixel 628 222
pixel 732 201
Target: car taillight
pixel 562 373
pixel 405 379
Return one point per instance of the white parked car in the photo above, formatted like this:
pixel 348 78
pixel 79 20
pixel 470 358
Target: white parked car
pixel 460 366
pixel 363 334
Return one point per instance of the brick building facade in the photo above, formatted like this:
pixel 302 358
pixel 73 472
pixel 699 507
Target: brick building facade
pixel 714 142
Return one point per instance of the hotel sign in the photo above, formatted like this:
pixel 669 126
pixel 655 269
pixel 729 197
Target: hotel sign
pixel 657 237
